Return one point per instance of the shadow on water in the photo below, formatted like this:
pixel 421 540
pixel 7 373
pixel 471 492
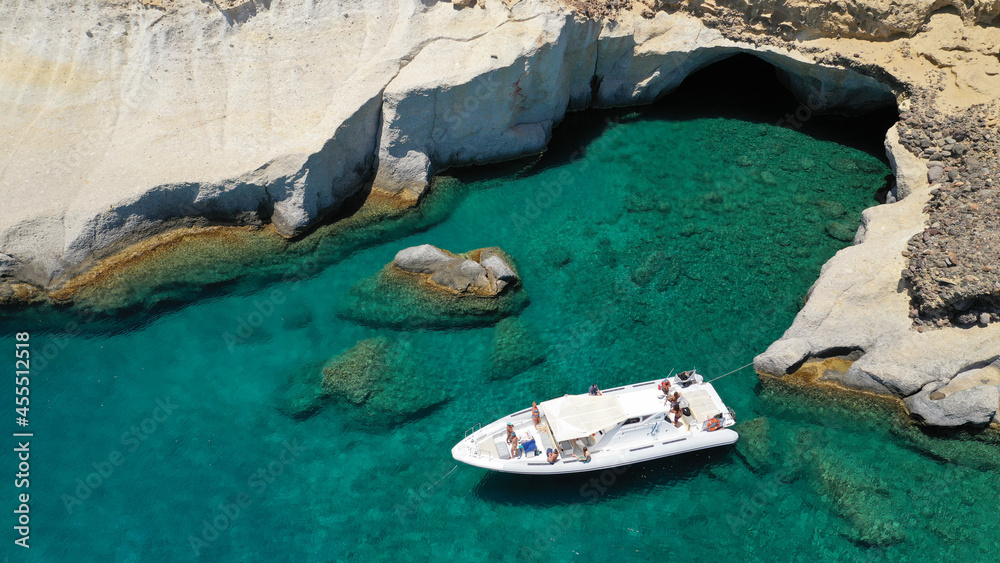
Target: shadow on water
pixel 595 486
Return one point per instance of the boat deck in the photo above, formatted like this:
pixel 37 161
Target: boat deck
pixel 650 435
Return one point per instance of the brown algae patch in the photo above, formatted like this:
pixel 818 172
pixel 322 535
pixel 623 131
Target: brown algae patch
pixel 189 256
pixel 181 263
pixel 807 384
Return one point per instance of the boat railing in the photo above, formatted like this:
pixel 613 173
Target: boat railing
pixel 475 428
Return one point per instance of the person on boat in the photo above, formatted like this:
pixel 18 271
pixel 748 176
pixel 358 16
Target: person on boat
pixel 594 390
pixel 510 432
pixel 515 451
pixel 551 455
pixel 684 404
pixel 675 408
pixel 585 457
pixel 671 398
pixel 536 417
pixel 665 387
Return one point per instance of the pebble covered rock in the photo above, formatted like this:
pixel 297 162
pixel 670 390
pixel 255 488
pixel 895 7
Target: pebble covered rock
pixel 954 264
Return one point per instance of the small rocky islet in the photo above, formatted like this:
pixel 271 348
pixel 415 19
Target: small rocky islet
pixel 427 287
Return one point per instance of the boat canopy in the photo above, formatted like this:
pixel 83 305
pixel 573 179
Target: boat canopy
pixel 577 416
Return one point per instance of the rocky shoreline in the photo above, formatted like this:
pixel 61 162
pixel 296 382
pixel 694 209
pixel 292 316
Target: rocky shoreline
pixel 147 137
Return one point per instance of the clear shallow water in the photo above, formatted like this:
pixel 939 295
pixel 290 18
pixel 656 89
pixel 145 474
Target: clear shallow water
pixel 671 244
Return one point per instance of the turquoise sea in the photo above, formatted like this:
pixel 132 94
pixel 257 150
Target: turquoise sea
pixel 648 240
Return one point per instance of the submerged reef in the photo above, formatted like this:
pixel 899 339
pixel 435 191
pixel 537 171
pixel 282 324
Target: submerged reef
pixel 516 349
pixel 374 381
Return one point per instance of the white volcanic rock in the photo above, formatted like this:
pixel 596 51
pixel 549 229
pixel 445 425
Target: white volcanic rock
pixel 488 277
pixel 119 119
pixel 134 115
pixel 423 259
pixel 860 303
pixel 975 405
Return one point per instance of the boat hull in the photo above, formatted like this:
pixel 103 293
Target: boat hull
pixel 659 450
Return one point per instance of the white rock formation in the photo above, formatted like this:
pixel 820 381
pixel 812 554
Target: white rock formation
pixel 121 119
pixel 859 303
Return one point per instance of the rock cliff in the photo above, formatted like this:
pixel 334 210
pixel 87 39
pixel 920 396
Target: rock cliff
pixel 125 118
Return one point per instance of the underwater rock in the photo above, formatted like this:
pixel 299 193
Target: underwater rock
pixel 516 349
pixel 377 383
pixel 979 451
pixel 865 504
pixel 304 398
pixel 840 231
pixel 861 499
pixel 755 444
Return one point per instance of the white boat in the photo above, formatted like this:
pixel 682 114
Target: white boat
pixel 624 425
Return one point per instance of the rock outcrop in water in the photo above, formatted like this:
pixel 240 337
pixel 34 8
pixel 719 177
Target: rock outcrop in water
pixel 426 287
pixel 484 272
pixel 127 119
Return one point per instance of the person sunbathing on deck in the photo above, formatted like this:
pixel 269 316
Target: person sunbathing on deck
pixel 552 455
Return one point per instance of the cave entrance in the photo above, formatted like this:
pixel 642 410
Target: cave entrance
pixel 739 87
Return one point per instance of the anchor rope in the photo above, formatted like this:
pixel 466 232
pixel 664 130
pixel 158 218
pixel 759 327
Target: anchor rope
pixel 443 478
pixel 730 373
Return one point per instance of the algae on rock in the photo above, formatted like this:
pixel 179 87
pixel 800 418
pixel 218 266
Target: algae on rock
pixel 374 379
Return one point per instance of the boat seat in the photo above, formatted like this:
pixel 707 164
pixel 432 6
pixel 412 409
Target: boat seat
pixel 489 446
pixel 502 446
pixel 545 439
pixel 702 405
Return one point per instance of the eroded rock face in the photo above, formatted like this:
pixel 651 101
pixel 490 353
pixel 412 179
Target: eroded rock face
pixel 861 303
pixel 973 406
pixel 163 121
pixel 130 118
pixel 866 19
pixel 423 259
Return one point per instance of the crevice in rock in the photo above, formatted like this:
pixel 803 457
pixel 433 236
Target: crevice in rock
pixel 848 353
